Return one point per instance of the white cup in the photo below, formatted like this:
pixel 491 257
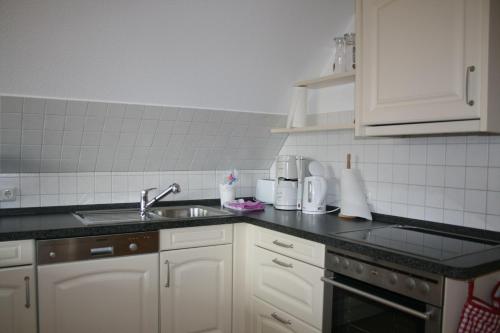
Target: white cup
pixel 227 193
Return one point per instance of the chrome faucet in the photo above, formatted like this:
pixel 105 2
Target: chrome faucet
pixel 145 203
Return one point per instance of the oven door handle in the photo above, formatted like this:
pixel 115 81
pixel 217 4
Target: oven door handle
pixel 422 315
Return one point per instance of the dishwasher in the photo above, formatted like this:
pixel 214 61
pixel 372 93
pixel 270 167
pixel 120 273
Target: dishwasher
pixel 99 284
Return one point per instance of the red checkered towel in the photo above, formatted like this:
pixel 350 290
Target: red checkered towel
pixel 479 316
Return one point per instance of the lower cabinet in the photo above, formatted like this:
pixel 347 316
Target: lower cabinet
pixel 196 290
pixel 103 295
pixel 17 300
pixel 290 285
pixel 269 319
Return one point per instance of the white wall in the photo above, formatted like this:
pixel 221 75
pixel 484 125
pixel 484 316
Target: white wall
pixel 219 54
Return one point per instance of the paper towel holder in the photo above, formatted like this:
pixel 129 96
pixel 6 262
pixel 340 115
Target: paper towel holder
pixel 348 167
pixel 364 210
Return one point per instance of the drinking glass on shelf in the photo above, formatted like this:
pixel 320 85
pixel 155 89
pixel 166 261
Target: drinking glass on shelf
pixel 339 65
pixel 350 51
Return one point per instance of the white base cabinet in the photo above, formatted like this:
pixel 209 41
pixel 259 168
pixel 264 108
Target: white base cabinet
pixel 279 285
pixel 17 300
pixel 268 319
pixel 100 296
pixel 196 290
pixel 290 285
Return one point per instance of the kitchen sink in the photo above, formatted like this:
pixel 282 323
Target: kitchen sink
pixel 108 216
pixel 114 216
pixel 181 212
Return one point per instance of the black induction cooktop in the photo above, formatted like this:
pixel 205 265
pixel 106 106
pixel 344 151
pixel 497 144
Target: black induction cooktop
pixel 429 243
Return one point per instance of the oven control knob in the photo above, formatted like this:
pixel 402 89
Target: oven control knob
pixel 393 278
pixel 359 268
pixel 346 264
pixel 336 260
pixel 410 283
pixel 425 288
pixel 133 247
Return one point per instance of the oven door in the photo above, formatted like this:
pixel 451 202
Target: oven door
pixel 354 306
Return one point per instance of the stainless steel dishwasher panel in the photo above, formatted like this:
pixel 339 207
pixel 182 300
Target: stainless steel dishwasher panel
pixel 86 248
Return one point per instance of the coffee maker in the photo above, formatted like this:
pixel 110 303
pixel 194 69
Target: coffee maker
pixel 289 182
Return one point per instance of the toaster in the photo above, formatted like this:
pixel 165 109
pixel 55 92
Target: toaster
pixel 264 191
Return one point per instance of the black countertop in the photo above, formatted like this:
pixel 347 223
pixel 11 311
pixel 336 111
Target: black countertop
pixel 57 222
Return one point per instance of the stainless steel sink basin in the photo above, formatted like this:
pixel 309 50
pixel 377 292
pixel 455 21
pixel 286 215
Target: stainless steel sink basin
pixel 108 216
pixel 181 212
pixel 114 216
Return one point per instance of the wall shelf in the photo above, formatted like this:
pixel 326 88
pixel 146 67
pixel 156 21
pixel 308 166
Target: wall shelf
pixel 312 128
pixel 321 82
pixel 328 80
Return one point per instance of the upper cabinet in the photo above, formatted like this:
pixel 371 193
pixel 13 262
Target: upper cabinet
pixel 427 66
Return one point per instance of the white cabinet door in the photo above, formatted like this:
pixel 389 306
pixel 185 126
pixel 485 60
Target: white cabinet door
pixel 103 295
pixel 413 60
pixel 17 300
pixel 268 319
pixel 196 290
pixel 290 285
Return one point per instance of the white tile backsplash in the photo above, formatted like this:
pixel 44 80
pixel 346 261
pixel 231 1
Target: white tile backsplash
pixel 450 179
pixel 493 178
pixel 494 155
pixel 454 176
pixel 477 178
pixel 84 188
pixel 50 135
pixel 475 201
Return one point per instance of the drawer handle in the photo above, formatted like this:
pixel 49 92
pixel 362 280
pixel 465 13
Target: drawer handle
pixel 281 263
pixel 288 246
pixel 281 320
pixel 27 304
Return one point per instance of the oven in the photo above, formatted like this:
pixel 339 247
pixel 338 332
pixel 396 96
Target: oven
pixel 364 297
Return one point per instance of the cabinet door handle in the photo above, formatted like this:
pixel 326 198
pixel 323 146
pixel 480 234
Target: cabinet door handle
pixel 470 69
pixel 27 304
pixel 281 263
pixel 281 320
pixel 167 283
pixel 288 246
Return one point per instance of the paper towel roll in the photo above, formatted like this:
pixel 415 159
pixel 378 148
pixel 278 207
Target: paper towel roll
pixel 298 108
pixel 353 199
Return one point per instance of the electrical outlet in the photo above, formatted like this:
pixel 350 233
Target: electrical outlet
pixel 8 194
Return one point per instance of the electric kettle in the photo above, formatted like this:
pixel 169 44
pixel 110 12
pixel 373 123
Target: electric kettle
pixel 314 195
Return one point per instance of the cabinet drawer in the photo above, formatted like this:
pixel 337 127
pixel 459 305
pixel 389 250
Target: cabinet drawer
pixel 295 247
pixel 15 253
pixel 268 319
pixel 290 285
pixel 182 238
